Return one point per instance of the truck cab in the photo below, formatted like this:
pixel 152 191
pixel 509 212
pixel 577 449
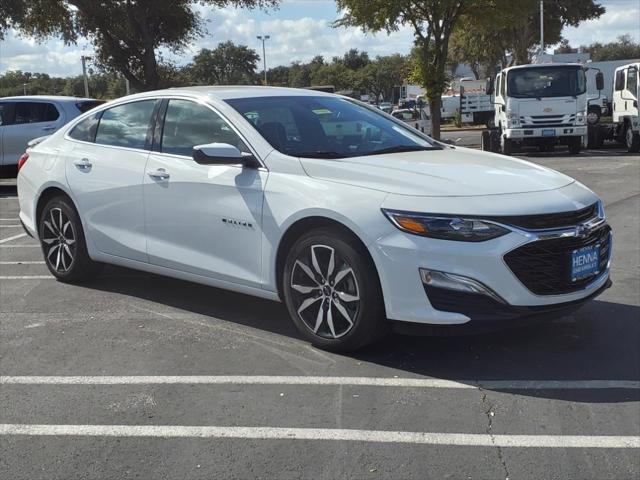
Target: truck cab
pixel 625 105
pixel 539 105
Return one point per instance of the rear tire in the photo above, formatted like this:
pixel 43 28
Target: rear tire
pixel 485 140
pixel 63 242
pixel 332 292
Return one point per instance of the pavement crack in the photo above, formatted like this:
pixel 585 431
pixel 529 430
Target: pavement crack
pixel 489 411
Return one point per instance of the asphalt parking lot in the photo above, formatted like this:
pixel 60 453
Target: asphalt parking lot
pixel 140 376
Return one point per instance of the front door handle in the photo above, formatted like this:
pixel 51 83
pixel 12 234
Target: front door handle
pixel 159 174
pixel 83 165
pixel 48 129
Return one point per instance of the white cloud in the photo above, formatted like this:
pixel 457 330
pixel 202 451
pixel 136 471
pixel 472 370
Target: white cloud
pixel 299 30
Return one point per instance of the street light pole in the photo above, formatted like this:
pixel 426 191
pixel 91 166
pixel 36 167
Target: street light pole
pixel 264 56
pixel 541 28
pixel 24 88
pixel 84 75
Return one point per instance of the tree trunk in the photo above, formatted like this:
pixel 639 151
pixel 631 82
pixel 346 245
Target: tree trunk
pixel 434 110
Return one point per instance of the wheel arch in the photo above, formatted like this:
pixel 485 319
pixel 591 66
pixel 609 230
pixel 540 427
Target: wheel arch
pixel 45 195
pixel 298 228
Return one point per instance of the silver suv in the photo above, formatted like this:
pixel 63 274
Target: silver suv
pixel 27 117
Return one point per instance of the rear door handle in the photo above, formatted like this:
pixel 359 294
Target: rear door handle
pixel 83 165
pixel 159 174
pixel 48 129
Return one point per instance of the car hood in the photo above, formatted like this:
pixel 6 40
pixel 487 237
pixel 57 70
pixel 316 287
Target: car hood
pixel 450 172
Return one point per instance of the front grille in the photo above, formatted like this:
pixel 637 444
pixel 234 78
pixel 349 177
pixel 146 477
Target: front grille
pixel 544 266
pixel 542 121
pixel 547 221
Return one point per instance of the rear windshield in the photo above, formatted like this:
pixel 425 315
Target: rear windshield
pixel 327 127
pixel 86 105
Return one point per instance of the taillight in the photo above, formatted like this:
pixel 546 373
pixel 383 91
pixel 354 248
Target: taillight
pixel 22 160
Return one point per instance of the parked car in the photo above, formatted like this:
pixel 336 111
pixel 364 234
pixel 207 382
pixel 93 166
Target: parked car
pixel 27 117
pixel 417 118
pixel 355 220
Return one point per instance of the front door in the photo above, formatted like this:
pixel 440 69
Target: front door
pixel 106 174
pixel 202 219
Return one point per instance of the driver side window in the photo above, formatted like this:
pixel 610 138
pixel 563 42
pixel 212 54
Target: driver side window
pixel 632 81
pixel 187 124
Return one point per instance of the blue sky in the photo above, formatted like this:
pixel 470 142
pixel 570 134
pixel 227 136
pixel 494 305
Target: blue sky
pixel 299 29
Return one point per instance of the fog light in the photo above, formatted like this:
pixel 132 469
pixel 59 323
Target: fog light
pixel 451 281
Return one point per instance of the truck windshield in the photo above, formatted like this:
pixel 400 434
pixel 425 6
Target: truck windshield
pixel 538 82
pixel 327 127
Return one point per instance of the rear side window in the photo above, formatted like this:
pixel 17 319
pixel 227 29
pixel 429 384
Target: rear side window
pixel 619 80
pixel 87 105
pixel 632 80
pixel 125 125
pixel 86 129
pixel 35 112
pixel 187 124
pixel 4 114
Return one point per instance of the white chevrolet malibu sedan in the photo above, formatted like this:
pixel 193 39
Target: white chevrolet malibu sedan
pixel 356 221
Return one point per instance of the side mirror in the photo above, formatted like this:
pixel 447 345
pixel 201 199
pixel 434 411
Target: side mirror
pixel 489 86
pixel 461 91
pixel 599 81
pixel 222 154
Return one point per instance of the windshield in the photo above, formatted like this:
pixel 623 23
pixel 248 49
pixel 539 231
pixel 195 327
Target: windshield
pixel 326 127
pixel 537 82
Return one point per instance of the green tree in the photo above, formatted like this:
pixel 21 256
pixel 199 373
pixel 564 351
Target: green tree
pixel 227 64
pixel 623 48
pixel 127 35
pixel 432 22
pixel 491 28
pixel 355 60
pixel 382 74
pixel 278 76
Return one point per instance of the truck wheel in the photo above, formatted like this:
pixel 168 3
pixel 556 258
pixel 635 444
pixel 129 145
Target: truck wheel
pixel 485 140
pixel 506 145
pixel 632 140
pixel 575 145
pixel 593 115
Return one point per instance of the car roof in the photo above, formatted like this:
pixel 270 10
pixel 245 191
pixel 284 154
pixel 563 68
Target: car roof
pixel 56 98
pixel 224 92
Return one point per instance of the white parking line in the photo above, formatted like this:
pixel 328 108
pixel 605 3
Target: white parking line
pixel 23 262
pixel 15 237
pixel 335 434
pixel 27 277
pixel 336 381
pixel 20 246
pixel 8 219
pixel 9 226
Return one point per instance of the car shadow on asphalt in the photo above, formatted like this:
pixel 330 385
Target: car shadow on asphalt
pixel 598 342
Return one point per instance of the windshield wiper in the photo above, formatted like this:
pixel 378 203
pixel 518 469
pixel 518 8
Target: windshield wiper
pixel 320 154
pixel 402 148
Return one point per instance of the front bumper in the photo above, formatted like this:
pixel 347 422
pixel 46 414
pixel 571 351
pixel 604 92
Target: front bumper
pixel 546 132
pixel 399 258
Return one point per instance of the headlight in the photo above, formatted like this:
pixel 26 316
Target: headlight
pixel 513 120
pixel 581 117
pixel 445 228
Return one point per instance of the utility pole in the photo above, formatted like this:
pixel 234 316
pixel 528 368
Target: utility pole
pixel 126 85
pixel 24 88
pixel 84 75
pixel 264 56
pixel 541 27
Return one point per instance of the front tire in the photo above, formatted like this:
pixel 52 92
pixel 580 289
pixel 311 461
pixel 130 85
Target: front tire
pixel 575 145
pixel 63 243
pixel 632 140
pixel 332 292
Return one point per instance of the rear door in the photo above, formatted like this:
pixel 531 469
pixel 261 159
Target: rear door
pixel 31 119
pixel 105 169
